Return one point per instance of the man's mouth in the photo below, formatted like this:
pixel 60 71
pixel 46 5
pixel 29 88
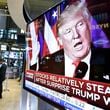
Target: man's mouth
pixel 78 46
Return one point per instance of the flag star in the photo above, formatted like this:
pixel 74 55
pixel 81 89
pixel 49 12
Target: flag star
pixel 54 14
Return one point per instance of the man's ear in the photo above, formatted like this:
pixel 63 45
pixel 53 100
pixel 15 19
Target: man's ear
pixel 60 41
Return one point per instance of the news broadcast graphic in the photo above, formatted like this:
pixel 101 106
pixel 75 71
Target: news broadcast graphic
pixel 66 87
pixel 68 55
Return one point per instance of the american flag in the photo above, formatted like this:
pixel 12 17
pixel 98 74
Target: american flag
pixel 33 44
pixel 44 39
pixel 51 44
pixel 50 34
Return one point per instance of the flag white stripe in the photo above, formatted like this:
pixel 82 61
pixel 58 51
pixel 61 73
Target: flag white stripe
pixel 50 38
pixel 35 44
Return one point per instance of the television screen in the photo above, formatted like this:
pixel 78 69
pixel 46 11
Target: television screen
pixel 14 55
pixel 3 47
pixel 6 54
pixel 68 55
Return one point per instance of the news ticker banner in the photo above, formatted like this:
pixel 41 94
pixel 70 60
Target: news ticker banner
pixel 95 93
pixel 62 99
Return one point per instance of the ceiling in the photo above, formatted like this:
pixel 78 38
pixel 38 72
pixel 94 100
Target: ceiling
pixel 3 4
pixel 35 8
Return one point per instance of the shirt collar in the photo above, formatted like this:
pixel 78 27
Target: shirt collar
pixel 86 59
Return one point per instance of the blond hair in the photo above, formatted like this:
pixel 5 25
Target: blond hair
pixel 71 10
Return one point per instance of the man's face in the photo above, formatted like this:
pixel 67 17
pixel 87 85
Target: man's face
pixel 75 37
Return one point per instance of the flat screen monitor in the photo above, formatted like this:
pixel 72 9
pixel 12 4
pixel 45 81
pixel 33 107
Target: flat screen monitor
pixel 68 55
pixel 4 47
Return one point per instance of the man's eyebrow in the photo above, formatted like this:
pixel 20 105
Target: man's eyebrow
pixel 80 21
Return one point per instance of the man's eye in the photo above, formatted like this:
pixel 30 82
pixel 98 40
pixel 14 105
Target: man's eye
pixel 80 24
pixel 67 31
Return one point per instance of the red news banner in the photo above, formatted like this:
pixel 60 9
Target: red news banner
pixel 96 93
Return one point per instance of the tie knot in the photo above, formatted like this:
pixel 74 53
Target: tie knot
pixel 76 63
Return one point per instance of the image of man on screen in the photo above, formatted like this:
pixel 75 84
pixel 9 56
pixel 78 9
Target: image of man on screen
pixel 78 58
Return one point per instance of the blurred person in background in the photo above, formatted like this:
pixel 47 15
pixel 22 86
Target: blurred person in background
pixel 3 68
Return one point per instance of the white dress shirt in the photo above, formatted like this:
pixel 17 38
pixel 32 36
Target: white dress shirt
pixel 70 69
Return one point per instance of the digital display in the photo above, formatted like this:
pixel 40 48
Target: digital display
pixel 68 55
pixel 3 47
pixel 13 54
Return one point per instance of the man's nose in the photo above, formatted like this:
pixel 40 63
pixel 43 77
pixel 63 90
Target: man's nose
pixel 75 33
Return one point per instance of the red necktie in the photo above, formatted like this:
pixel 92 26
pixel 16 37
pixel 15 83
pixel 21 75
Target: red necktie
pixel 76 65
